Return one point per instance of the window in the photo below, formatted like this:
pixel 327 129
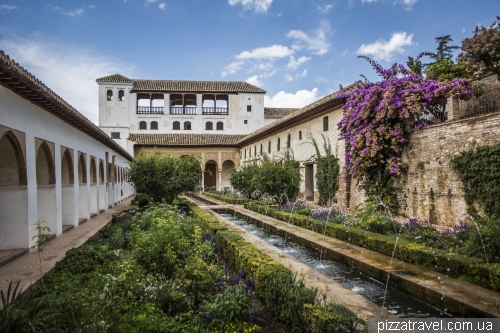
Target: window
pixel 261 148
pixel 254 151
pixel 143 125
pixel 325 124
pixel 245 121
pixel 300 135
pixel 269 147
pixel 177 125
pixel 278 145
pixel 245 153
pixel 154 125
pixel 109 95
pixel 220 126
pixel 249 108
pixel 209 126
pixel 121 95
pixel 288 141
pixel 187 125
pixel 115 135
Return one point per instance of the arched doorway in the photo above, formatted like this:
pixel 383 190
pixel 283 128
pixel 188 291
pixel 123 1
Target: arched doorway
pixel 93 187
pixel 102 191
pixel 227 169
pixel 82 181
pixel 13 195
pixel 210 175
pixel 46 191
pixel 67 188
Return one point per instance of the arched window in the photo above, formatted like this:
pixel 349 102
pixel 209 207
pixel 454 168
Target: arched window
pixel 67 171
pixel 12 165
pixel 220 126
pixel 288 141
pixel 261 148
pixel 101 173
pixel 121 95
pixel 187 125
pixel 209 125
pixel 269 147
pixel 82 170
pixel 278 145
pixel 109 95
pixel 154 125
pixel 143 125
pixel 177 125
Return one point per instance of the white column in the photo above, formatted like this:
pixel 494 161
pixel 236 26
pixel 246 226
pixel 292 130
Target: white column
pixel 32 187
pixel 57 158
pixel 220 180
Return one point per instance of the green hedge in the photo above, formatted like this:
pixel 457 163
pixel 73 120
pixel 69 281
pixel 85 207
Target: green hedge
pixel 226 198
pixel 308 316
pixel 471 270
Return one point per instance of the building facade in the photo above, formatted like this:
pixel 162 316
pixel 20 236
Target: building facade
pixel 55 165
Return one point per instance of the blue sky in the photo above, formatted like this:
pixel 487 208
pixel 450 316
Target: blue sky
pixel 298 51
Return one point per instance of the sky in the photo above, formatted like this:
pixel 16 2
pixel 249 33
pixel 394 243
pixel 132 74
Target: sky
pixel 298 51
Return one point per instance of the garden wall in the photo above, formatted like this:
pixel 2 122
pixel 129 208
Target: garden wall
pixel 431 189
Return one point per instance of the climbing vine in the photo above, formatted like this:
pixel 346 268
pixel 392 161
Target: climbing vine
pixel 479 170
pixel 327 172
pixel 379 117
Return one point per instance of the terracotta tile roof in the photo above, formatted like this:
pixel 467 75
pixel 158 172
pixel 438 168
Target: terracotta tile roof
pixel 21 82
pixel 183 139
pixel 278 112
pixel 115 78
pixel 307 111
pixel 195 86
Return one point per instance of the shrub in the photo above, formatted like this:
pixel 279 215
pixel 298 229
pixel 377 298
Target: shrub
pixel 332 318
pixel 84 259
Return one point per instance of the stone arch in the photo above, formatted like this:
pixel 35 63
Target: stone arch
pixel 227 168
pixel 211 171
pixel 67 170
pixel 82 169
pixel 101 172
pixel 45 170
pixel 93 171
pixel 12 163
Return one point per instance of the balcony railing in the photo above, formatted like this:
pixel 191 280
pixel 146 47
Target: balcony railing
pixel 183 110
pixel 487 101
pixel 150 110
pixel 211 110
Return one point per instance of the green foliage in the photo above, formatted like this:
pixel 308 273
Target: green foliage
pixel 327 172
pixel 482 51
pixel 272 176
pixel 447 70
pixel 199 277
pixel 479 170
pixel 164 176
pixel 368 217
pixel 24 312
pixel 84 259
pixel 332 318
pixel 231 304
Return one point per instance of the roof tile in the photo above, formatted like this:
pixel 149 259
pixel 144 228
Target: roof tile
pixel 185 139
pixel 278 112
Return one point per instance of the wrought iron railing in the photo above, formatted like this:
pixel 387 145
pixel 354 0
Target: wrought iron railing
pixel 212 110
pixel 183 110
pixel 486 100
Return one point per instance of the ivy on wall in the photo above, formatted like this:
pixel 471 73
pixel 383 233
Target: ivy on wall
pixel 327 172
pixel 479 170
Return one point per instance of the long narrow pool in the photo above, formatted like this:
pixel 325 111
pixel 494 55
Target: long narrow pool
pixel 396 302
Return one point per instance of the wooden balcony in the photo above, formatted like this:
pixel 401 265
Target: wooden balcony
pixel 216 111
pixel 150 110
pixel 183 110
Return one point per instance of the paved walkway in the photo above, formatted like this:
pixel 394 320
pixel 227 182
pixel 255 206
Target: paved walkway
pixel 26 268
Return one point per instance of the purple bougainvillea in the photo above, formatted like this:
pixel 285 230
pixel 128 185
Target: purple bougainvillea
pixel 379 116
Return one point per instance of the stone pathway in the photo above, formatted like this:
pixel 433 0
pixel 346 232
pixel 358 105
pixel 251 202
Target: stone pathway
pixel 26 269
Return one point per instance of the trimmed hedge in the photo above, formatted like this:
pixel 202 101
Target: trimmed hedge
pixel 332 316
pixel 226 198
pixel 471 270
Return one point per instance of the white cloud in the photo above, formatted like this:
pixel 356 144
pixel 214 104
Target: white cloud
pixel 71 13
pixel 254 80
pixel 368 1
pixel 386 50
pixel 315 42
pixel 295 63
pixel 162 6
pixel 325 9
pixel 408 3
pixel 232 68
pixel 258 6
pixel 344 53
pixel 70 72
pixel 289 100
pixel 297 76
pixel 151 1
pixel 7 8
pixel 279 14
pixel 288 77
pixel 270 52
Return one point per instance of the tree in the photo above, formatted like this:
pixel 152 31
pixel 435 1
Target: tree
pixel 327 174
pixel 443 68
pixel 164 176
pixel 482 51
pixel 443 50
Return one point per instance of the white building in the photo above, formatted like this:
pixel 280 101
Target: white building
pixel 55 164
pixel 128 106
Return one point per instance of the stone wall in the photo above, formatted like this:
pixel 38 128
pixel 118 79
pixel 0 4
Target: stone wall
pixel 431 189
